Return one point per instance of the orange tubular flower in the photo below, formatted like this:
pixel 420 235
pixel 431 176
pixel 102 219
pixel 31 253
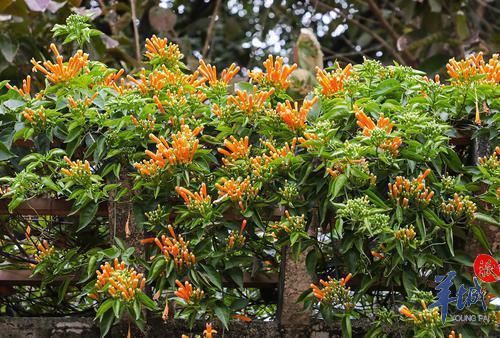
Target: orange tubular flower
pixel 62 72
pixel 384 126
pixel 404 190
pixel 110 79
pixel 186 292
pixel 182 150
pixel 243 318
pixel 276 73
pixel 292 116
pixel 237 149
pixel 332 83
pixel 209 332
pixel 175 248
pixel 333 291
pixel 209 73
pixel 35 117
pixel 45 250
pixel 453 335
pixel 463 71
pixel 157 48
pixel 249 103
pixel 235 190
pixel 77 168
pixel 283 152
pixel 406 312
pixel 25 89
pixel 82 103
pixel 123 282
pixel 197 200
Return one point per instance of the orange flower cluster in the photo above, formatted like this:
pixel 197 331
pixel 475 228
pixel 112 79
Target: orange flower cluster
pixel 186 292
pixel 426 317
pixel 182 150
pixel 284 151
pixel 294 117
pixel 464 71
pixel 25 89
pixel 453 335
pixel 162 50
pixel 197 200
pixel 492 162
pixel 333 292
pixel 174 247
pixel 459 206
pixel 61 72
pixel 35 118
pixel 250 103
pixel 332 83
pixel 82 103
pixel 379 132
pixel 209 73
pixel 77 168
pixel 154 82
pixel 123 282
pixel 261 165
pixel 405 234
pixel 291 224
pixel 403 190
pixel 240 239
pixel 110 79
pixel 235 190
pixel 144 125
pixel 276 73
pixel 45 251
pixel 237 149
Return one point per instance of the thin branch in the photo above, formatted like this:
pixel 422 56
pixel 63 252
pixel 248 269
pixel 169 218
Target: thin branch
pixel 210 30
pixel 367 29
pixel 136 31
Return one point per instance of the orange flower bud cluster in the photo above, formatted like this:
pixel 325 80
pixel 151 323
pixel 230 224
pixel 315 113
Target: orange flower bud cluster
pixel 187 294
pixel 236 190
pixel 453 335
pixel 294 117
pixel 197 200
pixel 110 79
pixel 239 239
pixel 154 82
pixel 45 250
pixel 459 206
pixel 426 317
pixel 35 117
pixel 464 71
pixel 332 83
pixel 209 73
pixel 284 151
pixel 261 166
pixel 406 234
pixel 62 72
pixel 379 132
pixel 174 247
pixel 25 89
pixel 276 74
pixel 334 292
pixel 182 150
pixel 491 162
pixel 82 103
pixel 76 168
pixel 250 103
pixel 162 51
pixel 120 280
pixel 144 125
pixel 289 225
pixel 208 332
pixel 404 190
pixel 236 149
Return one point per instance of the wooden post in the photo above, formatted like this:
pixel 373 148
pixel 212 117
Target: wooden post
pixel 294 320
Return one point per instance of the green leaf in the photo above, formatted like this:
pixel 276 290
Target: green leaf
pixel 146 301
pixel 346 326
pixel 486 218
pixel 104 307
pixel 449 240
pixel 63 290
pixel 409 281
pixel 338 184
pixel 480 236
pixel 213 275
pixel 311 262
pixel 223 314
pixel 87 214
pixel 117 305
pixel 106 322
pixel 5 152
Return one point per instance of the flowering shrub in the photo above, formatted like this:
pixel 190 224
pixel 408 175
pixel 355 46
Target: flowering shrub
pixel 362 171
